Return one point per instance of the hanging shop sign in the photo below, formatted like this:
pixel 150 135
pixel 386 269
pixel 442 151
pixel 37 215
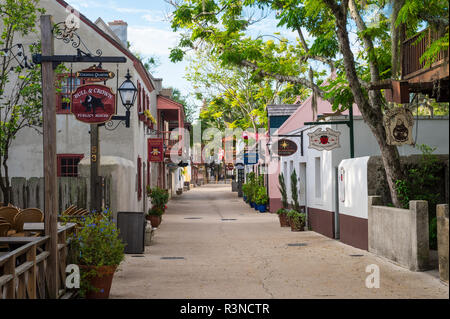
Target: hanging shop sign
pixel 95 74
pixel 155 150
pixel 230 166
pixel 93 104
pixel 286 147
pixel 324 140
pixel 399 123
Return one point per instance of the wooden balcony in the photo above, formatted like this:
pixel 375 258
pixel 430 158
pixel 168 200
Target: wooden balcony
pixel 170 143
pixel 418 77
pixel 412 69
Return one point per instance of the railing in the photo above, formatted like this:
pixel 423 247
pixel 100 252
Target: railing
pixel 170 143
pixel 23 271
pixel 412 52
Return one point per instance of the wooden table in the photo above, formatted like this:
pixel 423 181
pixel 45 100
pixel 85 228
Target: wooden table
pixel 40 226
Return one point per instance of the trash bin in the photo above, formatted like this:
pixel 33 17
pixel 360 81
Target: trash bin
pixel 132 231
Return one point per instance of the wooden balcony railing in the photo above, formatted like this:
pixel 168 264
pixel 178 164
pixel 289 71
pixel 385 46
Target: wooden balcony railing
pixel 169 142
pixel 23 270
pixel 412 52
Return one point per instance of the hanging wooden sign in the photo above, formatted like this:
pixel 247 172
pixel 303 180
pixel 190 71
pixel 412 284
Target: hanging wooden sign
pixel 155 149
pixel 324 140
pixel 399 123
pixel 95 74
pixel 93 104
pixel 286 147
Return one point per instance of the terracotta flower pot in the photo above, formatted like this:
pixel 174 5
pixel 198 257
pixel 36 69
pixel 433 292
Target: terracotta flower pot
pixel 284 221
pixel 155 220
pixel 296 226
pixel 101 281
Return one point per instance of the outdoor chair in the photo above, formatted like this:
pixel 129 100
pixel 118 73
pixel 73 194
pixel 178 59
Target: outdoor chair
pixel 4 228
pixel 29 215
pixel 9 214
pixel 69 210
pixel 81 212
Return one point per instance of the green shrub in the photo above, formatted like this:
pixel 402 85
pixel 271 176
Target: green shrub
pixel 97 241
pixel 421 184
pixel 156 211
pixel 261 196
pixel 282 188
pixel 281 211
pixel 159 198
pixel 297 218
pixel 294 191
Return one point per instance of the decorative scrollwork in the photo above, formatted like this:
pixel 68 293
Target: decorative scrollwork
pixel 68 34
pixel 112 125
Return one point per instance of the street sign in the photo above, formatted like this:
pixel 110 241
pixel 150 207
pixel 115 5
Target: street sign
pixel 251 158
pixel 239 166
pixel 286 147
pixel 95 74
pixel 93 104
pixel 155 149
pixel 324 140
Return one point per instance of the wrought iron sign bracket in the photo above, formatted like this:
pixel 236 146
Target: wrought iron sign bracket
pixel 125 119
pixel 58 59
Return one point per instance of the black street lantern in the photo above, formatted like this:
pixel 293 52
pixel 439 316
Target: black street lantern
pixel 128 92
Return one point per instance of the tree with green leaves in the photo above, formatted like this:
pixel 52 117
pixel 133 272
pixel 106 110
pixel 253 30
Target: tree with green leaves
pixel 236 98
pixel 20 81
pixel 350 41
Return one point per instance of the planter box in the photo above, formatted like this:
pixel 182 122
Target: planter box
pixel 262 208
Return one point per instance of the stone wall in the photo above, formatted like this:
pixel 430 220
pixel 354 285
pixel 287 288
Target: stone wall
pixel 400 235
pixel 442 233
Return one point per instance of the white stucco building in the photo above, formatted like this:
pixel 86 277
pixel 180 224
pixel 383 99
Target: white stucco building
pixel 124 153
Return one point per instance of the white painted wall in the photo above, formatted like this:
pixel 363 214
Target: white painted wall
pixel 433 132
pixel 353 200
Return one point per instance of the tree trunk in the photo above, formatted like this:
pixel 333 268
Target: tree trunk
pixel 372 114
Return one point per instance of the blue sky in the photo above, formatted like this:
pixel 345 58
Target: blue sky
pixel 149 32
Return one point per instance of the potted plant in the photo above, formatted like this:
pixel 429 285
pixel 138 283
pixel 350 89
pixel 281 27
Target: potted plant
pixel 296 220
pixel 262 199
pixel 282 215
pixel 159 198
pixel 97 250
pixel 154 216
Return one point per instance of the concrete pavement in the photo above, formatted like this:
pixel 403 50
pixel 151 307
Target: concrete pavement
pixel 231 251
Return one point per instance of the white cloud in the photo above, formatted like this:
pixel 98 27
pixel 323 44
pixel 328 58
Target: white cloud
pixel 154 17
pixel 151 41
